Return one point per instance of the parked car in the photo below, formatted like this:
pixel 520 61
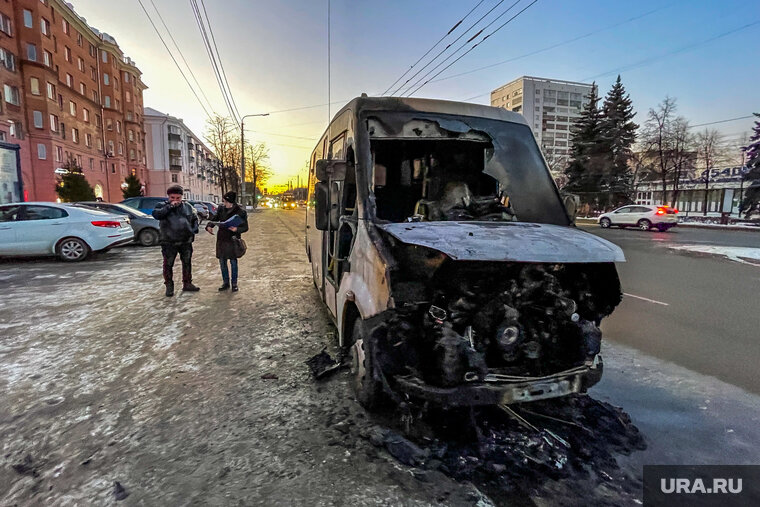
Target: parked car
pixel 145 226
pixel 201 208
pixel 211 207
pixel 642 216
pixel 64 230
pixel 144 204
pixel 445 256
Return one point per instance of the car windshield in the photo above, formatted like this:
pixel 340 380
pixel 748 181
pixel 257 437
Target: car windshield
pixel 441 167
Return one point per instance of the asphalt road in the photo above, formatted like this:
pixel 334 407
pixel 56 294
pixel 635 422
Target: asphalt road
pixel 698 310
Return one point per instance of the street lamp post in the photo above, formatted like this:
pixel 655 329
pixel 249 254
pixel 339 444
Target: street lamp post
pixel 242 155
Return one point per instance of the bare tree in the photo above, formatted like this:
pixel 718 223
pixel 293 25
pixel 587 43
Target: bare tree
pixel 682 142
pixel 223 138
pixel 708 145
pixel 257 168
pixel 657 136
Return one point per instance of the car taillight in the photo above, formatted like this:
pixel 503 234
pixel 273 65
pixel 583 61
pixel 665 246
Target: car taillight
pixel 105 223
pixel 660 212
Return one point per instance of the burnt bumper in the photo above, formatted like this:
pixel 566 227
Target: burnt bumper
pixel 498 390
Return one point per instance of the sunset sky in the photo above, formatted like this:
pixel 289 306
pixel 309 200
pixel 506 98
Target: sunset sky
pixel 274 53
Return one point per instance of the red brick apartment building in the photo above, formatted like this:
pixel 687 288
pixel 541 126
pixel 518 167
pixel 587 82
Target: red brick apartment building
pixel 68 94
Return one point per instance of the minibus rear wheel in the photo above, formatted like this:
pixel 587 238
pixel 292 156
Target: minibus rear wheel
pixel 367 387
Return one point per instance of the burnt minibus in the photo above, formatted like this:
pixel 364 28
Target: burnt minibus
pixel 446 258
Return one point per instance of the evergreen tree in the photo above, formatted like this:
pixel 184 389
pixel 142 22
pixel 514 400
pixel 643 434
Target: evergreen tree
pixel 73 186
pixel 587 155
pixel 619 134
pixel 133 188
pixel 751 201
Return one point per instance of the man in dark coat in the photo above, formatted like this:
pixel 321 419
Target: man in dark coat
pixel 178 225
pixel 225 246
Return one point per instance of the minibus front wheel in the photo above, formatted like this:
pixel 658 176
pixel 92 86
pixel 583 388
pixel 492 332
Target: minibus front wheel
pixel 365 379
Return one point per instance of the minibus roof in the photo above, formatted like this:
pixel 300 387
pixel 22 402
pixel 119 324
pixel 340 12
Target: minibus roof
pixel 360 105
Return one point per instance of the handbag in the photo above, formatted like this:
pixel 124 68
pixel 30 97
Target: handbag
pixel 239 246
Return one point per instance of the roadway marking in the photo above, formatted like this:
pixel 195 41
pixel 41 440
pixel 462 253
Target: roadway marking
pixel 646 299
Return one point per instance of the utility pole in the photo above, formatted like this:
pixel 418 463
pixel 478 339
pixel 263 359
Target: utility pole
pixel 242 155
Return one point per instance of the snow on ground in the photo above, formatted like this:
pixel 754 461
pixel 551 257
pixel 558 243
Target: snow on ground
pixel 746 255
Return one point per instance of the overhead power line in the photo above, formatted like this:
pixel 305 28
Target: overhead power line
pixel 682 49
pixel 212 58
pixel 174 59
pixel 420 80
pixel 219 59
pixel 433 46
pixel 476 45
pixel 553 46
pixel 447 47
pixel 200 88
pixel 721 121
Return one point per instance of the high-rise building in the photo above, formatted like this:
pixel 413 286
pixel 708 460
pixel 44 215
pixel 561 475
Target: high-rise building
pixel 550 106
pixel 69 96
pixel 176 156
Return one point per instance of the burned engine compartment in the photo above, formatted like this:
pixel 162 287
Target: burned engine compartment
pixel 456 322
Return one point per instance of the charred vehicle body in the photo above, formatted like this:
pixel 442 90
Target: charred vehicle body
pixel 447 259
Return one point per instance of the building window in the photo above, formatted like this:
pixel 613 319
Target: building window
pixel 53 123
pixel 110 148
pixel 41 151
pixel 100 144
pixel 65 25
pixel 47 58
pixel 58 154
pixel 98 120
pixel 86 114
pixel 60 101
pixel 118 126
pixel 8 59
pixel 93 73
pixel 79 39
pixel 106 79
pixel 131 135
pixel 34 86
pixel 128 96
pixel 132 154
pixel 108 101
pixel 104 56
pixel 69 80
pixel 126 77
pixel 75 135
pixel 67 53
pixel 72 108
pixel 174 178
pixel 109 124
pixel 11 94
pixel 45 26
pixel 31 52
pixel 92 51
pixel 118 104
pixel 121 148
pixel 80 64
pixel 37 116
pixel 82 89
pixel 51 91
pixel 88 140
pixel 5 24
pixel 79 161
pixel 28 20
pixel 94 96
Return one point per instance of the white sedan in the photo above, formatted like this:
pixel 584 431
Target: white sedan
pixel 71 233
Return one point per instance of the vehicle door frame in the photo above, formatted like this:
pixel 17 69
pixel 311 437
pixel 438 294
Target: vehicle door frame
pixel 8 233
pixel 45 231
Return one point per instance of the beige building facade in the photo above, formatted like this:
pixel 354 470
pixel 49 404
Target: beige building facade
pixel 550 106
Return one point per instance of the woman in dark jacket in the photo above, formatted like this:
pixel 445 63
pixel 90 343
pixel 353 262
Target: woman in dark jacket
pixel 225 247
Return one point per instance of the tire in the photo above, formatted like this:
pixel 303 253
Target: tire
pixel 72 250
pixel 662 228
pixel 605 223
pixel 644 224
pixel 367 388
pixel 148 237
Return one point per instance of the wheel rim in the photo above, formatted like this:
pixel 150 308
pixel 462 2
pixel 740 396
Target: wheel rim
pixel 605 223
pixel 72 249
pixel 147 238
pixel 644 225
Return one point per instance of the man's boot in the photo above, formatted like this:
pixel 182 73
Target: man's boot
pixel 234 287
pixel 169 289
pixel 224 287
pixel 189 287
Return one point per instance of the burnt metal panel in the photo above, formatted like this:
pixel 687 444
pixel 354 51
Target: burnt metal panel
pixel 507 241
